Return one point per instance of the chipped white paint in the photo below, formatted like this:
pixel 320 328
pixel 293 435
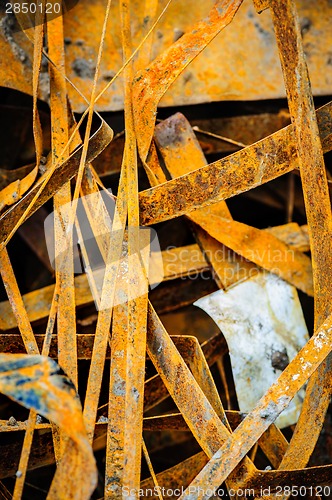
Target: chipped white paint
pixel 263 324
pixel 318 342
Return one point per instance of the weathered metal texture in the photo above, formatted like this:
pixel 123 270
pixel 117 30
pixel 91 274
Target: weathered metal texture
pixel 309 148
pixel 182 365
pixel 199 83
pixel 182 154
pixel 64 171
pixel 168 200
pixel 172 139
pixel 270 406
pixel 177 262
pixel 277 398
pixel 202 419
pixel 264 161
pixel 155 391
pixel 318 210
pixel 175 135
pixel 212 349
pixel 43 388
pixel 181 53
pixel 63 238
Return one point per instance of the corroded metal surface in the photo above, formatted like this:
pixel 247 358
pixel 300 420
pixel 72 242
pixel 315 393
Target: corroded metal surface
pixel 264 161
pixel 227 55
pixel 136 376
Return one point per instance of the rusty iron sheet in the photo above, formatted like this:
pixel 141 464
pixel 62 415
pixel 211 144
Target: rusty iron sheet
pixel 201 81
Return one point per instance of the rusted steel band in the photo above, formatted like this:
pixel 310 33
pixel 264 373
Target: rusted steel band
pixel 63 173
pixel 252 166
pixel 267 410
pixel 318 210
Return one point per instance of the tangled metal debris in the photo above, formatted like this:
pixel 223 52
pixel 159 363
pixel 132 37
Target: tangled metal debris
pixel 145 396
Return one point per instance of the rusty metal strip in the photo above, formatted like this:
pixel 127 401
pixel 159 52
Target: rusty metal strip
pixel 192 353
pixel 155 391
pixel 32 419
pixel 270 406
pixel 310 153
pixel 115 458
pixel 173 135
pixel 17 304
pixel 105 313
pixel 37 59
pixel 262 248
pixel 176 58
pixel 63 239
pixel 110 247
pixel 259 247
pixel 318 210
pixel 207 428
pixel 63 173
pixel 133 363
pixel 252 166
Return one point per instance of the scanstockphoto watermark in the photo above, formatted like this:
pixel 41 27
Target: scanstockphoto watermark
pixel 31 13
pixel 195 263
pixel 220 492
pixel 197 491
pixel 87 231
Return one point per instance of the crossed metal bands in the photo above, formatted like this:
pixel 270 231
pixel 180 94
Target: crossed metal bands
pixel 129 335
